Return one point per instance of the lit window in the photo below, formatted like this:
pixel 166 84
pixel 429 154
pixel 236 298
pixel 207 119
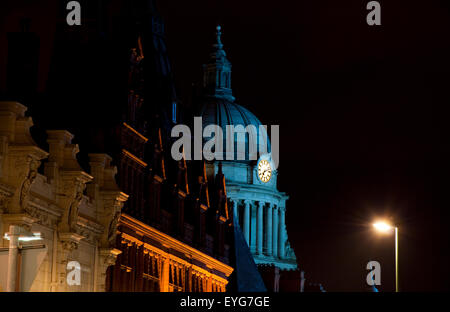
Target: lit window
pixel 174 112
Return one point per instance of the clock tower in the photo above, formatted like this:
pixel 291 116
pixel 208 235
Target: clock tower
pixel 251 182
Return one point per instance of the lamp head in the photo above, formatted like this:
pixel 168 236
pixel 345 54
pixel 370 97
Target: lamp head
pixel 382 226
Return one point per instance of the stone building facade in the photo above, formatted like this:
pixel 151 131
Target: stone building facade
pixel 74 212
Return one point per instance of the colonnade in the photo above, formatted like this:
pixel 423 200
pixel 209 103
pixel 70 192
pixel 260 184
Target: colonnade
pixel 264 226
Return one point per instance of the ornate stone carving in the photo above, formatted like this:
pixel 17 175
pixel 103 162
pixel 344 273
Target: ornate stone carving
pixel 33 165
pixel 69 241
pixel 108 256
pixel 74 205
pixel 73 186
pixel 112 207
pixel 112 230
pixel 5 198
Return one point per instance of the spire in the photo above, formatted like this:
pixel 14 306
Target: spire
pixel 219 44
pixel 217 73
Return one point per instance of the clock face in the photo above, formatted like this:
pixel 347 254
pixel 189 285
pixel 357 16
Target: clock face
pixel 264 171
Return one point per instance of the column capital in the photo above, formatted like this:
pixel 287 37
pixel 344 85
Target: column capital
pixel 261 203
pixel 247 202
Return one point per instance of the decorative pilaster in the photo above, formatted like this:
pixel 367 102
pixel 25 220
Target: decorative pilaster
pixel 190 286
pixel 260 227
pixel 68 243
pixel 164 276
pixel 209 283
pixel 107 257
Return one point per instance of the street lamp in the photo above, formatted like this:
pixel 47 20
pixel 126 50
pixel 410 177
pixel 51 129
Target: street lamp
pixel 386 227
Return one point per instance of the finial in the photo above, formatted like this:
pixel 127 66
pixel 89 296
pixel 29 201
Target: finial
pixel 219 44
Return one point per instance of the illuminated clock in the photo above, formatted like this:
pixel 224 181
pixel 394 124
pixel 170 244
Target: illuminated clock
pixel 264 171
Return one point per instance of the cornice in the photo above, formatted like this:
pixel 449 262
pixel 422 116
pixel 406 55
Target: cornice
pixel 174 244
pixel 127 126
pixel 134 158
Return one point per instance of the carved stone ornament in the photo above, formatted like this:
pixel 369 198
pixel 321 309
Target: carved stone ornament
pixel 5 199
pixel 70 241
pixel 74 205
pixel 30 176
pixel 108 256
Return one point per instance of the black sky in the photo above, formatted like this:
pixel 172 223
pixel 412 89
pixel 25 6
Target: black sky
pixel 363 115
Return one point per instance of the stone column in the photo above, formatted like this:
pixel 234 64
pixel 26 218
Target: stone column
pixel 260 227
pixel 253 229
pixel 235 211
pixel 275 231
pixel 282 236
pixel 269 229
pixel 14 232
pixel 247 221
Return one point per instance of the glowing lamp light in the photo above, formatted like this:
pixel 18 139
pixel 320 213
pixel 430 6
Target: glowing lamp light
pixel 382 226
pixel 35 236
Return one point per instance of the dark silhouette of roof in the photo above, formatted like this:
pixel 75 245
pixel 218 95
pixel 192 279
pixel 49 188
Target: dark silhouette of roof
pixel 245 277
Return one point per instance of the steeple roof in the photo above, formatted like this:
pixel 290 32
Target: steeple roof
pixel 217 72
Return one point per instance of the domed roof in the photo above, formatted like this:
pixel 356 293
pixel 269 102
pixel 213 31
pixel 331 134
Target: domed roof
pixel 218 107
pixel 223 113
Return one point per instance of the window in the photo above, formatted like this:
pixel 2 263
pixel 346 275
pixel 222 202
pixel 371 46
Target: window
pixel 174 112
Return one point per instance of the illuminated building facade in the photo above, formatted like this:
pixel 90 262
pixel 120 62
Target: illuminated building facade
pixel 48 193
pixel 257 204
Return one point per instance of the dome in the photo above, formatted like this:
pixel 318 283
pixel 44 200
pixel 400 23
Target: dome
pixel 219 109
pixel 223 113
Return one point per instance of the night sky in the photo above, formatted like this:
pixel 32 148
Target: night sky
pixel 363 115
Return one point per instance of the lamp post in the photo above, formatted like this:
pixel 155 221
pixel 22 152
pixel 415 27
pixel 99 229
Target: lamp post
pixel 385 227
